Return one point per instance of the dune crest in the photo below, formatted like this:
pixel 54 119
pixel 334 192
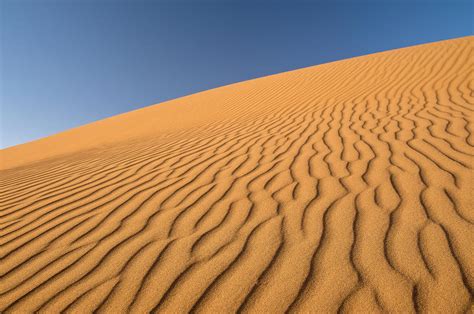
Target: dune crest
pixel 346 186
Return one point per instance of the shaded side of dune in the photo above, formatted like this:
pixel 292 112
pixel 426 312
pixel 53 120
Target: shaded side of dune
pixel 341 187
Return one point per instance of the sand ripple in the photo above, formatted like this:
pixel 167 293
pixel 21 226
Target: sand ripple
pixel 341 187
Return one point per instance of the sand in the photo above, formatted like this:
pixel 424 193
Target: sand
pixel 346 186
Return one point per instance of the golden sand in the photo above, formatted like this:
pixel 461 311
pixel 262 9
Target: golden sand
pixel 346 186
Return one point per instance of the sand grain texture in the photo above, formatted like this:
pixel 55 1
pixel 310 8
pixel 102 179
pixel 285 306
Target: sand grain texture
pixel 344 187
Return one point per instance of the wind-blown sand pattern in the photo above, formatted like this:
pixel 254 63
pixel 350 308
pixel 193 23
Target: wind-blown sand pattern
pixel 346 186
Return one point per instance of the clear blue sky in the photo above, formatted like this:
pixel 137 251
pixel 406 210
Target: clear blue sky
pixel 66 63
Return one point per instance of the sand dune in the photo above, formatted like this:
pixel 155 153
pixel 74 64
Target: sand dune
pixel 346 187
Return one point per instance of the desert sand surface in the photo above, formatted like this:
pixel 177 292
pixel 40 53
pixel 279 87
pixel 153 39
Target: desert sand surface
pixel 346 187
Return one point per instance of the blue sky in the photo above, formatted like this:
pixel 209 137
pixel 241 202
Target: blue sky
pixel 66 63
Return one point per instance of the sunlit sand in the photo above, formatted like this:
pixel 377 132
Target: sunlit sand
pixel 345 186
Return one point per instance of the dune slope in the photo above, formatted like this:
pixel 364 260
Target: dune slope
pixel 346 187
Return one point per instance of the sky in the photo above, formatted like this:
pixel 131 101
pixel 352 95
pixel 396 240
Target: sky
pixel 66 63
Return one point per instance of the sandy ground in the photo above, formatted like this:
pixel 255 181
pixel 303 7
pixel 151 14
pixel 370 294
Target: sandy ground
pixel 341 187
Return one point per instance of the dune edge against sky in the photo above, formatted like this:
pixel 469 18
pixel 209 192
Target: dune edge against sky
pixel 63 142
